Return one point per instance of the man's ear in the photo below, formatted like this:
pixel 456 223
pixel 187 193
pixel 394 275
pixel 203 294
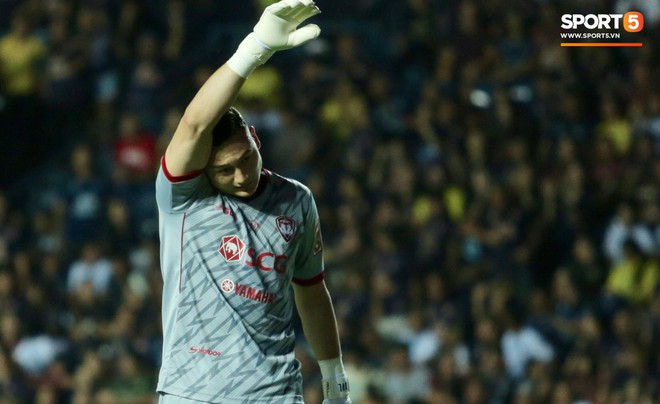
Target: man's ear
pixel 253 133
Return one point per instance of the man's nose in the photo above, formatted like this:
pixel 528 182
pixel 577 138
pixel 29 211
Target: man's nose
pixel 240 178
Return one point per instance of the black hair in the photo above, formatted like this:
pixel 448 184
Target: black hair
pixel 632 246
pixel 230 124
pixel 516 311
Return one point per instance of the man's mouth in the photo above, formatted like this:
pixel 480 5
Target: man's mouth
pixel 246 188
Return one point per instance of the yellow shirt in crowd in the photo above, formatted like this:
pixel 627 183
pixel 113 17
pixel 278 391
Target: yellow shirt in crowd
pixel 18 58
pixel 634 280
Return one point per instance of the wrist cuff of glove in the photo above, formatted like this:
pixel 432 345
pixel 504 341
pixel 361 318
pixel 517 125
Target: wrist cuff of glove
pixel 334 380
pixel 250 54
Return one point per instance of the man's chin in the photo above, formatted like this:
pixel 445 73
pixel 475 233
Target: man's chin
pixel 245 192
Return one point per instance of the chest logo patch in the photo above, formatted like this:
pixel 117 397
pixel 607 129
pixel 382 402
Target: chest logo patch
pixel 286 227
pixel 231 248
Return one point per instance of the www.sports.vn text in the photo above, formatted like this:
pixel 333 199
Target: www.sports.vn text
pixel 590 35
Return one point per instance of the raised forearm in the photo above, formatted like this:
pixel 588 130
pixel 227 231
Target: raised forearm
pixel 190 146
pixel 213 99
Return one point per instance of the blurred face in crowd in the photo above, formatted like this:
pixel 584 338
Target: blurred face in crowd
pixel 583 250
pixel 234 167
pixel 474 392
pixel 81 160
pixel 129 125
pixel 6 284
pixel 20 26
pixel 486 332
pixel 90 253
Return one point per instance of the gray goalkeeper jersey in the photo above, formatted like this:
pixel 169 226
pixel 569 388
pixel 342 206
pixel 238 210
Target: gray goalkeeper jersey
pixel 227 267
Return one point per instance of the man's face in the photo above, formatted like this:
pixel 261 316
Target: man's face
pixel 234 167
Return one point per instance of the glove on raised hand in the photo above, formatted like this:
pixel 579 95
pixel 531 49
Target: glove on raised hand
pixel 276 30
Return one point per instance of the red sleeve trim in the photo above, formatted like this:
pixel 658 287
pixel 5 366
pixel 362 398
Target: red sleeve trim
pixel 178 178
pixel 309 282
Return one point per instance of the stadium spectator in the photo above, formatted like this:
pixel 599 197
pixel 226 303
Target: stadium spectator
pixel 84 198
pixel 21 55
pixel 623 227
pixel 135 149
pixel 93 268
pixel 635 278
pixel 522 345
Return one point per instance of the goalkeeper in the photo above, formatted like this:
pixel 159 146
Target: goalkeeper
pixel 235 238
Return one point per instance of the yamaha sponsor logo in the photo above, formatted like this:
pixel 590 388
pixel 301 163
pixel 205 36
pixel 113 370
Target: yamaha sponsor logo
pixel 258 295
pixel 227 286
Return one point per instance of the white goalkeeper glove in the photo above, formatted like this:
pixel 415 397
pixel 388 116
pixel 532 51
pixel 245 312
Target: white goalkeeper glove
pixel 334 381
pixel 276 30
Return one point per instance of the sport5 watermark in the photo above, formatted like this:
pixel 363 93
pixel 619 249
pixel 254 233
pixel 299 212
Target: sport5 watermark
pixel 600 26
pixel 632 21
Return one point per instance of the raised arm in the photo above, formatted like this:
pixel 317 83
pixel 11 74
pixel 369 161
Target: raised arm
pixel 277 29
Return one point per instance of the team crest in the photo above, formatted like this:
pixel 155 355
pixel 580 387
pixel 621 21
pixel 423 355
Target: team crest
pixel 231 248
pixel 286 227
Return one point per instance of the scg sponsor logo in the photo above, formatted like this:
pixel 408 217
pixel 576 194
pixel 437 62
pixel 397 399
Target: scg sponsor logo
pixel 266 261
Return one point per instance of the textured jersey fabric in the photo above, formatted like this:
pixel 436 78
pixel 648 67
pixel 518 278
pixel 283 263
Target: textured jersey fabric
pixel 227 266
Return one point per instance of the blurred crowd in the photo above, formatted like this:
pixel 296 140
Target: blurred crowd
pixel 489 200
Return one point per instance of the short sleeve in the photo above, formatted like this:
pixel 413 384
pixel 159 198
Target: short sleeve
pixel 309 259
pixel 175 193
